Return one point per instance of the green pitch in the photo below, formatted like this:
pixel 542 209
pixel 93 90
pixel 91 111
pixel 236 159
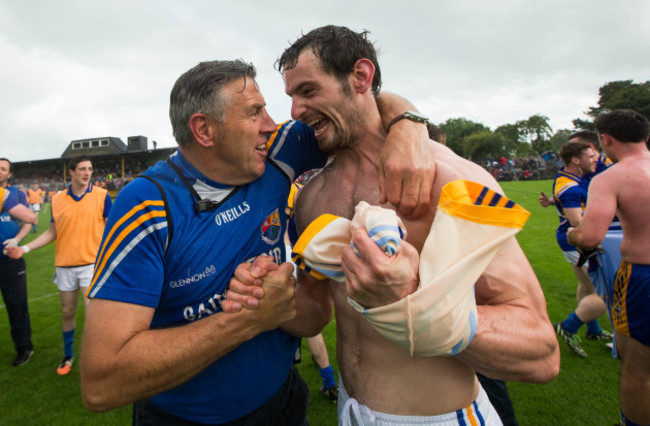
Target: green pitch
pixel 585 392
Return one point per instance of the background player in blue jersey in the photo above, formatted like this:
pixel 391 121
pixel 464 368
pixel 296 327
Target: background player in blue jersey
pixel 13 279
pixel 624 190
pixel 570 200
pixel 155 329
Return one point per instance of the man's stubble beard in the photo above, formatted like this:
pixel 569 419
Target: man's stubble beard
pixel 348 137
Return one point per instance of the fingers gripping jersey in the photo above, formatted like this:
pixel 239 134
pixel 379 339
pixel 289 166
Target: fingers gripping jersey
pixel 158 252
pixel 440 317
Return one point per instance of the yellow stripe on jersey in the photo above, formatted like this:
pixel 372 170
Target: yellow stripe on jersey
pixel 126 217
pixel 314 228
pixel 273 136
pixel 3 193
pixel 106 254
pixel 471 416
pixel 480 204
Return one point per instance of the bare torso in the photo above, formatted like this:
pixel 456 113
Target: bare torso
pixel 633 205
pixel 376 372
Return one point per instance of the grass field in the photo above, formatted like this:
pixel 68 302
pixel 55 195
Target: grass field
pixel 585 392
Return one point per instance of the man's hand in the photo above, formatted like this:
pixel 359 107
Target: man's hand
pixel 8 243
pixel 14 252
pixel 245 287
pixel 373 278
pixel 278 304
pixel 406 168
pixel 545 200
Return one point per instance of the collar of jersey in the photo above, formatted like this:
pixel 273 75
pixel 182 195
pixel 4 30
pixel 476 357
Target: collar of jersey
pixel 573 176
pixel 205 188
pixel 70 193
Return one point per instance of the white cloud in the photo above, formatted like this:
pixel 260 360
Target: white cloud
pixel 74 69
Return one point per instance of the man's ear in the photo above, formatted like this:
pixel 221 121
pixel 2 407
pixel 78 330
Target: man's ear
pixel 203 129
pixel 605 139
pixel 362 75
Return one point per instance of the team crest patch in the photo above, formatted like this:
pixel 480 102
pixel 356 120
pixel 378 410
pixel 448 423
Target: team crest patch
pixel 271 228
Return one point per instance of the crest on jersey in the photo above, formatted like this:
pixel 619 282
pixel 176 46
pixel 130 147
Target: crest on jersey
pixel 271 228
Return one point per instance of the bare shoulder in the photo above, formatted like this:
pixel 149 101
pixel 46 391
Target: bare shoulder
pixel 450 166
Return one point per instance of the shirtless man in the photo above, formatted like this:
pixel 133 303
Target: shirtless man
pixel 514 339
pixel 624 190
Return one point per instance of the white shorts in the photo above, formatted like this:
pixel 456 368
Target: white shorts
pixel 571 256
pixel 479 412
pixel 71 278
pixel 35 207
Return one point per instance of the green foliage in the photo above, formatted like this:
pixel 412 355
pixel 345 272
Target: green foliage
pixel 559 138
pixel 457 129
pixel 484 145
pixel 585 392
pixel 617 95
pixel 536 131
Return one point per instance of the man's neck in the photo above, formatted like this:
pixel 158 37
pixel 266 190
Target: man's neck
pixel 201 161
pixel 574 169
pixel 78 190
pixel 370 140
pixel 3 184
pixel 630 150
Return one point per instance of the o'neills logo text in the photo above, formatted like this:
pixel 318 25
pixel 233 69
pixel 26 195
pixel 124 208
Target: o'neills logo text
pixel 231 214
pixel 210 270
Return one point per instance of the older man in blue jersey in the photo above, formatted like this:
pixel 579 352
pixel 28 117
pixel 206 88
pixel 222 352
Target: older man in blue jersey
pixel 155 329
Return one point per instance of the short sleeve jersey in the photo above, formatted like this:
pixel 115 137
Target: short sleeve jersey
pixel 9 226
pixel 568 193
pixel 157 251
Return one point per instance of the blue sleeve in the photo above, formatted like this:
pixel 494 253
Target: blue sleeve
pixel 572 197
pixel 108 203
pixel 130 262
pixel 10 201
pixel 295 145
pixel 22 198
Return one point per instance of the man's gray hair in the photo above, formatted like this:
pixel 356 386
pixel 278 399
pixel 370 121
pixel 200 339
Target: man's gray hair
pixel 200 90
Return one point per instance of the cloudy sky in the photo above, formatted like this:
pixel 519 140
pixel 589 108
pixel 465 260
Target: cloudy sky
pixel 81 69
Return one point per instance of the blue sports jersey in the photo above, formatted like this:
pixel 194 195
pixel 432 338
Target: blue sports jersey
pixel 568 193
pixel 10 226
pixel 602 164
pixel 159 252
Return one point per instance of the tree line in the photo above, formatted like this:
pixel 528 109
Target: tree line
pixel 534 136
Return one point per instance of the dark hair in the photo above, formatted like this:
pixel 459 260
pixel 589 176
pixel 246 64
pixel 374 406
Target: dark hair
pixel 573 149
pixel 199 90
pixel 338 49
pixel 74 161
pixel 625 125
pixel 586 136
pixel 436 133
pixel 11 166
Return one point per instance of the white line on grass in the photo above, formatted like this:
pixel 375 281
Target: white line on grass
pixel 45 296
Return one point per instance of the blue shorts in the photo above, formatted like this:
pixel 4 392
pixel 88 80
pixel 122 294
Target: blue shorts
pixel 630 313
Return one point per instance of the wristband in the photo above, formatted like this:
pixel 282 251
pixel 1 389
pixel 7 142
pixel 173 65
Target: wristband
pixel 25 249
pixel 409 115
